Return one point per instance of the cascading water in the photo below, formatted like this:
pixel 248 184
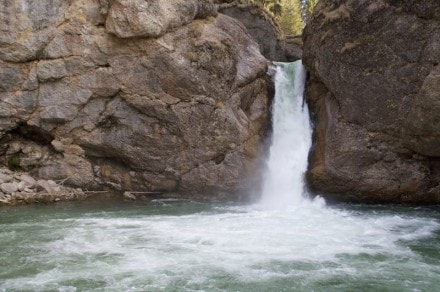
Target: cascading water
pixel 291 139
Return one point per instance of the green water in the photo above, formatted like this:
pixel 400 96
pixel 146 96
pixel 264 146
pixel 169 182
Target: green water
pixel 193 246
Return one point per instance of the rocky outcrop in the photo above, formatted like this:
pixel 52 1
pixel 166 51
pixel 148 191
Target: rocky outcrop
pixel 19 188
pixel 134 95
pixel 140 18
pixel 374 88
pixel 264 30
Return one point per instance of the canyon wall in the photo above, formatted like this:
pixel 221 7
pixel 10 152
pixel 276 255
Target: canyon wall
pixel 140 95
pixel 374 89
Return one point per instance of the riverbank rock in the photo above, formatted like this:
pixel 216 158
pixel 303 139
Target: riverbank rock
pixel 24 189
pixel 374 90
pixel 132 95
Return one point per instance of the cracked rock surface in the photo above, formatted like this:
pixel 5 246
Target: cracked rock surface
pixel 374 88
pixel 134 95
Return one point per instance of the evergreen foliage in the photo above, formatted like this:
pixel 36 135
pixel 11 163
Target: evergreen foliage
pixel 14 162
pixel 290 14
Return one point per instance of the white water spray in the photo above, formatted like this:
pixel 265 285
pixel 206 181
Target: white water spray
pixel 291 139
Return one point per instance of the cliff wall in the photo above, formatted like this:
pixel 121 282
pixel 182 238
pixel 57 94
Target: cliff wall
pixel 150 95
pixel 374 89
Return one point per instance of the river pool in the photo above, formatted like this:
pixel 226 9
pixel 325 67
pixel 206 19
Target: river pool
pixel 168 245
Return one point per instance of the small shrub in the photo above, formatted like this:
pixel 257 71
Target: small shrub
pixel 14 162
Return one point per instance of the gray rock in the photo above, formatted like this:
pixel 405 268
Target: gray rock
pixel 51 70
pixel 9 188
pixel 29 190
pixel 261 25
pixel 4 200
pixel 25 31
pixel 75 150
pixel 19 196
pixel 6 171
pixel 58 145
pixel 24 185
pixel 31 182
pixel 129 196
pixel 185 90
pixel 140 18
pixel 4 178
pixel 374 88
pixel 49 186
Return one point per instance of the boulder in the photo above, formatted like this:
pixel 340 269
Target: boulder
pixel 4 178
pixel 49 186
pixel 374 91
pixel 30 181
pixel 9 188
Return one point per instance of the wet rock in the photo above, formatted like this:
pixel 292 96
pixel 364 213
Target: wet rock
pixel 30 200
pixel 19 196
pixel 129 196
pixel 43 198
pixel 4 200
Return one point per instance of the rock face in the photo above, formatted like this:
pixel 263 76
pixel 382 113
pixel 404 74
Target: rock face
pixel 140 18
pixel 137 95
pixel 375 90
pixel 263 29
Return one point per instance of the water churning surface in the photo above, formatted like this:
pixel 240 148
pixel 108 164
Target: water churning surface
pixel 284 243
pixel 192 246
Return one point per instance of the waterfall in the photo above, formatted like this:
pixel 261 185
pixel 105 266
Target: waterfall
pixel 291 139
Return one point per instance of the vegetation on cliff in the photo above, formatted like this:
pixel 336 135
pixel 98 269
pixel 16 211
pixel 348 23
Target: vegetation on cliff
pixel 290 14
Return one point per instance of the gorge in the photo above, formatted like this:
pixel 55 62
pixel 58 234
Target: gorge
pixel 285 242
pixel 180 99
pixel 174 97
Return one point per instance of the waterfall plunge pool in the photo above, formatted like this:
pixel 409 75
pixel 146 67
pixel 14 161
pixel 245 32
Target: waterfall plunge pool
pixel 192 246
